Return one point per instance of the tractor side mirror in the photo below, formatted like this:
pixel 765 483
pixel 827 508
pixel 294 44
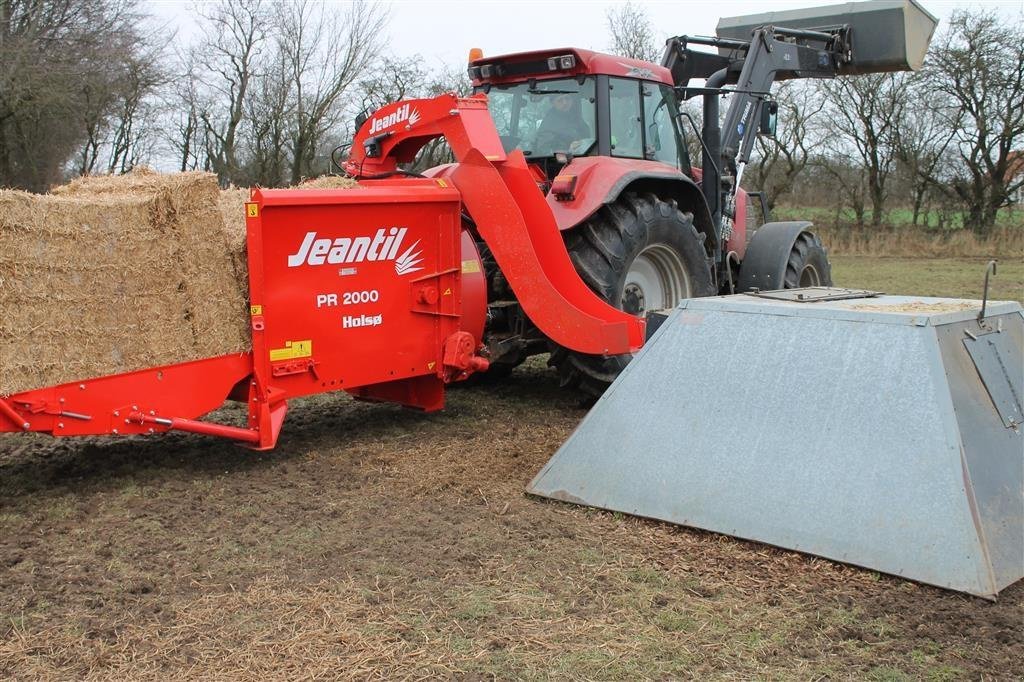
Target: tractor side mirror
pixel 769 118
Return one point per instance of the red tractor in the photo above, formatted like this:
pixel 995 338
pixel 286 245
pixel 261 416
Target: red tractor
pixel 604 140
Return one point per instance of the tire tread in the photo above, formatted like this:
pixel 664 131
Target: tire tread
pixel 599 250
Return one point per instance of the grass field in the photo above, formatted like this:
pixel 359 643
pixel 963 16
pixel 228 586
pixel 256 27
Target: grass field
pixel 381 543
pixel 896 217
pixel 953 277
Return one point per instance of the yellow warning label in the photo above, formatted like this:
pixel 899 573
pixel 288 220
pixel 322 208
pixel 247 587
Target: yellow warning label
pixel 292 350
pixel 252 210
pixel 471 265
pixel 255 310
pixel 430 365
pixel 441 183
pixel 447 292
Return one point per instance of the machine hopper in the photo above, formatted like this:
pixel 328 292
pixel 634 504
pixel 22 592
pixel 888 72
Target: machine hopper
pixel 884 432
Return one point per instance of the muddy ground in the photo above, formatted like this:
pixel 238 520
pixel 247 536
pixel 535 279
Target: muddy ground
pixel 377 542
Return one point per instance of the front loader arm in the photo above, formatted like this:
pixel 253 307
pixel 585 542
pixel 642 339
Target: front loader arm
pixel 773 53
pixel 510 213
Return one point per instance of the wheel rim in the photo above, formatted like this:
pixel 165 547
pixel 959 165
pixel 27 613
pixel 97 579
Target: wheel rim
pixel 656 279
pixel 809 276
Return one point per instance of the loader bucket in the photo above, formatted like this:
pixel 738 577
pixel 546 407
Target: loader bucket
pixel 886 35
pixel 884 432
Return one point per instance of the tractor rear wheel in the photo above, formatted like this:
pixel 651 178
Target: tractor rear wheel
pixel 639 254
pixel 808 264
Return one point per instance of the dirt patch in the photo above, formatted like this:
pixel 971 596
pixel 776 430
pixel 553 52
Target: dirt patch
pixel 377 542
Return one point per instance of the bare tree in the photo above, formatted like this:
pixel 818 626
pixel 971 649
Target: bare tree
pixel 188 140
pixel 847 183
pixel 265 94
pixel 224 62
pixel 325 54
pixel 59 61
pixel 977 67
pixel 923 140
pixel 269 111
pixel 781 159
pixel 632 33
pixel 98 100
pixel 448 79
pixel 393 80
pixel 859 131
pixel 134 121
pixel 119 114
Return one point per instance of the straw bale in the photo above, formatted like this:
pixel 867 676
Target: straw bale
pixel 212 285
pixel 327 182
pixel 214 290
pixel 232 210
pixel 113 274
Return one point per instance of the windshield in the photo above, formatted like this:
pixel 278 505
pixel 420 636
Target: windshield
pixel 544 117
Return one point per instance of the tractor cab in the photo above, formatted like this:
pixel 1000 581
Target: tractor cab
pixel 555 105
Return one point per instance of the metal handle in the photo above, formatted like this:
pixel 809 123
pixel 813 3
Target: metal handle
pixel 990 268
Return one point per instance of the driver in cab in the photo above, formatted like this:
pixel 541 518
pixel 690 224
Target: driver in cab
pixel 563 127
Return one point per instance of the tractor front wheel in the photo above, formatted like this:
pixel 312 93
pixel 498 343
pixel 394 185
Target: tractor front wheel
pixel 639 254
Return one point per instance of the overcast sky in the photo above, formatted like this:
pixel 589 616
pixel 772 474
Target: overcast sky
pixel 443 31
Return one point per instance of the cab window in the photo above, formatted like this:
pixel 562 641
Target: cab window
pixel 625 123
pixel 661 120
pixel 544 117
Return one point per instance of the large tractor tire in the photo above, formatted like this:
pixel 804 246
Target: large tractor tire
pixel 639 253
pixel 808 264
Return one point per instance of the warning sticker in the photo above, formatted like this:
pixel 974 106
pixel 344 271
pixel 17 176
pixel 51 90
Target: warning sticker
pixel 255 310
pixel 470 266
pixel 292 350
pixel 252 210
